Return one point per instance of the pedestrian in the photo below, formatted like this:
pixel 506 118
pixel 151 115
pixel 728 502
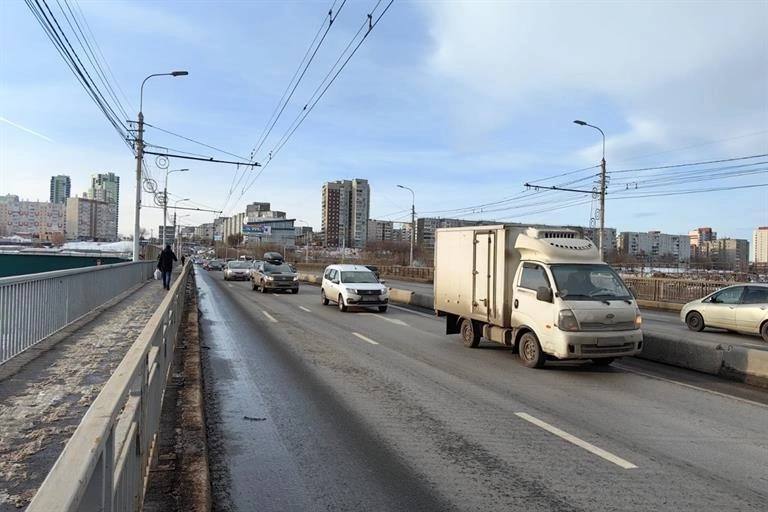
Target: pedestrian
pixel 165 265
pixel 183 259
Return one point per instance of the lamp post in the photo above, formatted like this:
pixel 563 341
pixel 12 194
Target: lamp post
pixel 165 198
pixel 174 219
pixel 602 187
pixel 413 219
pixel 140 158
pixel 306 241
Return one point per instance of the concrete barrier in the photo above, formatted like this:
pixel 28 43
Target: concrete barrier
pixel 725 360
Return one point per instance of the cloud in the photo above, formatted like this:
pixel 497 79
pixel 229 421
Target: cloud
pixel 22 128
pixel 674 73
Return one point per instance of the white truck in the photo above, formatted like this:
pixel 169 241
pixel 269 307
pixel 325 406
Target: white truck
pixel 544 292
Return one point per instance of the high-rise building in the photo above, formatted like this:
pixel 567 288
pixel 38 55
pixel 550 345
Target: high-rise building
pixel 380 230
pixel 60 189
pixel 106 187
pixel 760 244
pixel 345 210
pixel 655 245
pixel 31 219
pixel 89 219
pixel 698 236
pixel 609 238
pixel 726 253
pixel 426 227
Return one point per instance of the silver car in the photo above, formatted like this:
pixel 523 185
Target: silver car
pixel 237 270
pixel 739 308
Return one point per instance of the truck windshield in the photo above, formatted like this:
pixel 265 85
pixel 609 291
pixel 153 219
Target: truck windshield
pixel 585 282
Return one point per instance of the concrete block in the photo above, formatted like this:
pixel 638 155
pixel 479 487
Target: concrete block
pixel 702 356
pixel 423 300
pixel 401 296
pixel 746 364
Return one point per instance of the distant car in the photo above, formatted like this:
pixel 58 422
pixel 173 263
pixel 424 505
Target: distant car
pixel 215 265
pixel 237 271
pixel 353 285
pixel 274 275
pixel 739 308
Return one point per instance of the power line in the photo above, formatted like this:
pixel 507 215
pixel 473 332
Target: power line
pixel 198 142
pixel 284 100
pixel 689 164
pixel 89 54
pixel 307 107
pixel 55 33
pixel 101 54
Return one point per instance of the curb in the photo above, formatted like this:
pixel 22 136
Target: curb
pixel 729 361
pixel 195 475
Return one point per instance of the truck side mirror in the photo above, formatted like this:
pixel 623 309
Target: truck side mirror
pixel 544 294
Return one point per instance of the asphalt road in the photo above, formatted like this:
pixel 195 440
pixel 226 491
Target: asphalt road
pixel 654 322
pixel 321 410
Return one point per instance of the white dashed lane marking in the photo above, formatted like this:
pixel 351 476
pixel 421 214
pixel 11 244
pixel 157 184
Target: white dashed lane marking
pixel 270 317
pixel 382 316
pixel 365 338
pixel 305 309
pixel 578 442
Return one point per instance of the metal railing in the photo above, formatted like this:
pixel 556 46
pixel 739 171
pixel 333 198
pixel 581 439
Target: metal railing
pixel 677 291
pixel 105 464
pixel 34 306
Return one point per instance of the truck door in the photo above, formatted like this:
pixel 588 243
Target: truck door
pixel 482 280
pixel 526 308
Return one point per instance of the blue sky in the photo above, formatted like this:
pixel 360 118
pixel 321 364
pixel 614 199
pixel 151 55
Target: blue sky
pixel 462 101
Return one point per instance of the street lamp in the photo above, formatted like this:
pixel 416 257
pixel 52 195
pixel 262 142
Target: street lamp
pixel 602 186
pixel 165 198
pixel 413 218
pixel 140 158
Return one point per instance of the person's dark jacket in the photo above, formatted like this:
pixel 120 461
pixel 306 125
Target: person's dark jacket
pixel 165 260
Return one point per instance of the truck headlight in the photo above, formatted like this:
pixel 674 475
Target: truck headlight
pixel 638 321
pixel 566 321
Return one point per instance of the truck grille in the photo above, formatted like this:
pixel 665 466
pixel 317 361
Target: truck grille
pixel 595 350
pixel 599 326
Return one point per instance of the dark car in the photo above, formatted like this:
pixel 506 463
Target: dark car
pixel 274 275
pixel 215 265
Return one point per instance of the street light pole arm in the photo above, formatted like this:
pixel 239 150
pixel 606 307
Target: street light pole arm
pixel 141 91
pixel 601 133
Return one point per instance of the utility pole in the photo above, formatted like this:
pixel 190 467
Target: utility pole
pixel 140 159
pixel 165 199
pixel 413 220
pixel 601 235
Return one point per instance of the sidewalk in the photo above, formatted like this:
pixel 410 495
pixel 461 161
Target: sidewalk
pixel 41 406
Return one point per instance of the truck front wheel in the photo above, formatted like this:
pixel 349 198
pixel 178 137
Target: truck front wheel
pixel 530 351
pixel 469 334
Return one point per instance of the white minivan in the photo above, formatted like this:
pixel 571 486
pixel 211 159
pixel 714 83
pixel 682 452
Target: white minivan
pixel 353 285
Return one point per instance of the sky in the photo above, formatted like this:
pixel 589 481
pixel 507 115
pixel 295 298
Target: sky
pixel 463 102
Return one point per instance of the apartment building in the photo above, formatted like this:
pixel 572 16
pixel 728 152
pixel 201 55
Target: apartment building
pixel 90 219
pixel 345 210
pixel 654 245
pixel 61 187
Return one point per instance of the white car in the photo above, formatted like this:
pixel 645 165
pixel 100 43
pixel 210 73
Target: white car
pixel 741 308
pixel 237 270
pixel 353 285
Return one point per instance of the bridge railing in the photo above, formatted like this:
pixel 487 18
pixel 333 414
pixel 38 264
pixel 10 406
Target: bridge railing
pixel 105 464
pixel 34 306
